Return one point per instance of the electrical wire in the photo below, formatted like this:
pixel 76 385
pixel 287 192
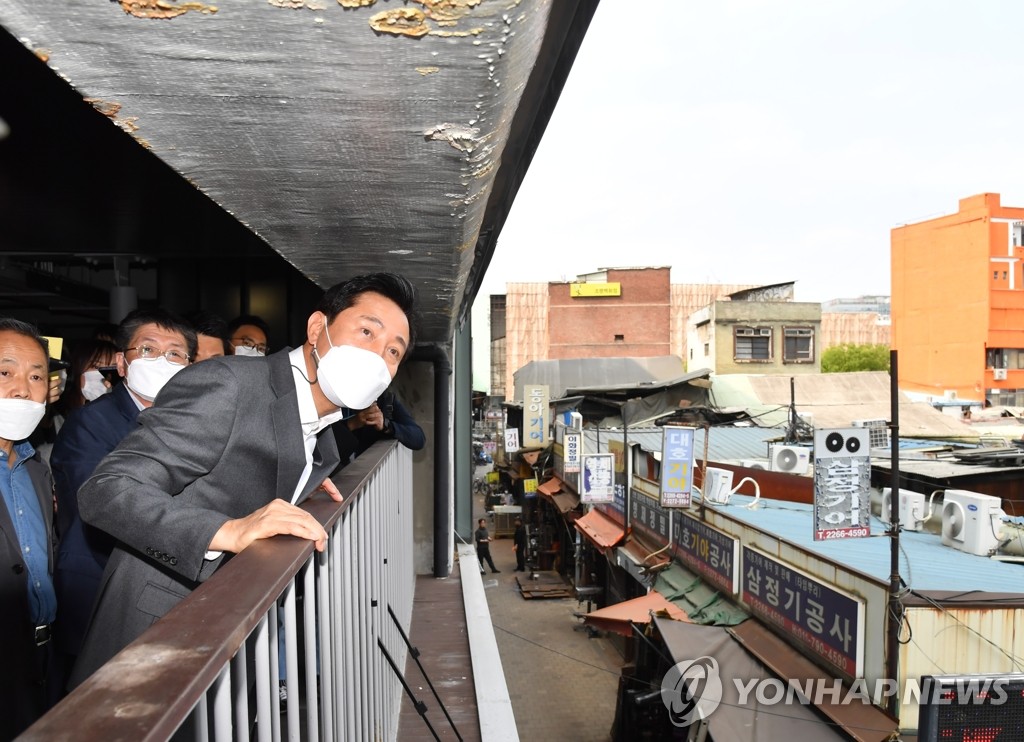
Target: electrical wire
pixel 1017 661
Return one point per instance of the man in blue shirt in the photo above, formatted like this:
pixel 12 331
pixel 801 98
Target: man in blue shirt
pixel 26 532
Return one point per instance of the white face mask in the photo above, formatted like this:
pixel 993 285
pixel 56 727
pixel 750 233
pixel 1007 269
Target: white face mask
pixel 245 350
pixel 351 377
pixel 19 417
pixel 147 376
pixel 92 385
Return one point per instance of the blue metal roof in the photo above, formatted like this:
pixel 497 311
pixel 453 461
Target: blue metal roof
pixel 724 443
pixel 925 564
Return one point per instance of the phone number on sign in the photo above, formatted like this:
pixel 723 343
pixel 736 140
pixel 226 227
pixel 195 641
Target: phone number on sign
pixel 835 533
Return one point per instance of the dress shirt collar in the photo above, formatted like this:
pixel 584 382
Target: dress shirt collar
pixel 312 423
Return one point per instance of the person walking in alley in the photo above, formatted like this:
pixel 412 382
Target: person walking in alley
pixel 519 545
pixel 483 546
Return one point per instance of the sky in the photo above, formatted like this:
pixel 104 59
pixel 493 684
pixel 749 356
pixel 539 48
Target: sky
pixel 762 141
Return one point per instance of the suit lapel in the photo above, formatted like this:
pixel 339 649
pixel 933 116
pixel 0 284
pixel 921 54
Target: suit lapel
pixel 291 459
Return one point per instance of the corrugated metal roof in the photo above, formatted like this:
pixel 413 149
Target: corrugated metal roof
pixel 724 444
pixel 834 401
pixel 598 373
pixel 925 564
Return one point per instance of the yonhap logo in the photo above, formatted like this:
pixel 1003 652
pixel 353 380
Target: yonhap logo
pixel 691 690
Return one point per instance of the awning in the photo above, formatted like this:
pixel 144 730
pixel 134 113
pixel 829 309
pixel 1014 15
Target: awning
pixel 600 529
pixel 861 721
pixel 731 720
pixel 703 603
pixel 644 556
pixel 563 499
pixel 620 617
pixel 550 487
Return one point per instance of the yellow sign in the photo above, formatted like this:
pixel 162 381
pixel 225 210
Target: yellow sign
pixel 492 477
pixel 529 485
pixel 56 345
pixel 614 288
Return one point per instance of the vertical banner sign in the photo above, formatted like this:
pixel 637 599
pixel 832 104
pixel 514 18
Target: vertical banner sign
pixel 572 444
pixel 535 416
pixel 530 487
pixel 676 466
pixel 596 481
pixel 842 476
pixel 511 440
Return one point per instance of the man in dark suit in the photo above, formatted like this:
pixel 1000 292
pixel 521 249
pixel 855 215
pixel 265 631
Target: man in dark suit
pixel 28 605
pixel 226 453
pixel 519 544
pixel 386 418
pixel 145 338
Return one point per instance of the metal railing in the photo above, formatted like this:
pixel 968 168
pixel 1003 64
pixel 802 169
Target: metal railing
pixel 210 668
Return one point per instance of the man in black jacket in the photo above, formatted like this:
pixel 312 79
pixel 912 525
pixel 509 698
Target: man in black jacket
pixel 519 544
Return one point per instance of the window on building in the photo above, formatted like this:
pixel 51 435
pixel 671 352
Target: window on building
pixel 1018 234
pixel 753 344
pixel 620 338
pixel 798 344
pixel 707 349
pixel 995 275
pixel 997 358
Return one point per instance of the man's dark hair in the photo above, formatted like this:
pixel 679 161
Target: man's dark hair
pixel 343 295
pixel 210 324
pixel 9 324
pixel 248 319
pixel 161 318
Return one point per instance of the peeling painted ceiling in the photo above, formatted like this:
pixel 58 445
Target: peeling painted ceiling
pixel 348 135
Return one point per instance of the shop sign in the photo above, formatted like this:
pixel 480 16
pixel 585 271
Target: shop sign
pixel 530 487
pixel 511 440
pixel 827 622
pixel 611 288
pixel 535 416
pixel 597 482
pixel 676 466
pixel 572 445
pixel 842 476
pixel 647 514
pixel 710 553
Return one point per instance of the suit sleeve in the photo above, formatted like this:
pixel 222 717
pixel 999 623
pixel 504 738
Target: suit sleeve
pixel 133 493
pixel 82 443
pixel 406 430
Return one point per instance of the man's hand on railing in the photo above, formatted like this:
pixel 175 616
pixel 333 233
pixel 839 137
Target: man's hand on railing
pixel 332 489
pixel 279 517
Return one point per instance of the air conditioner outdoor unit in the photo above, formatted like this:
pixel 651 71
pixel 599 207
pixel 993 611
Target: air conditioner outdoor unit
pixel 754 463
pixel 999 374
pixel 878 431
pixel 717 486
pixel 971 521
pixel 911 505
pixel 790 459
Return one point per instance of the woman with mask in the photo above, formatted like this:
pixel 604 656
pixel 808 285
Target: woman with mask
pixel 92 367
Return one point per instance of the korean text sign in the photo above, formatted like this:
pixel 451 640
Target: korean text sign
pixel 676 466
pixel 826 621
pixel 842 476
pixel 709 552
pixel 535 416
pixel 597 483
pixel 572 445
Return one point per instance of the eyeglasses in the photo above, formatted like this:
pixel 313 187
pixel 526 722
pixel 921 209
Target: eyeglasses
pixel 173 356
pixel 250 343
